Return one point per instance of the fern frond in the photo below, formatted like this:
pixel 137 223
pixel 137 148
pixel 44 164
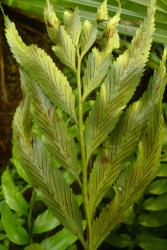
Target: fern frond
pixel 147 163
pixel 88 36
pixel 96 69
pixel 65 49
pixel 104 223
pixel 73 25
pixel 46 178
pixel 98 62
pixel 140 175
pixel 127 133
pixel 54 130
pixel 42 69
pixel 111 37
pixel 124 138
pixel 119 86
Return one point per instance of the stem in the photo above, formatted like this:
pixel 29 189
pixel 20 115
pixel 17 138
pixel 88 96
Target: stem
pixel 30 215
pixel 83 153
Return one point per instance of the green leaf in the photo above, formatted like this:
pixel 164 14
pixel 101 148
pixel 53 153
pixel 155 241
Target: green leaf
pixel 137 114
pixel 15 232
pixel 34 246
pixel 73 25
pixel 72 247
pixel 156 203
pixel 146 166
pixel 12 196
pixel 162 170
pixel 60 241
pixel 149 242
pixel 119 240
pixel 19 167
pixel 45 222
pixel 154 219
pixel 54 131
pixel 88 36
pixel 140 175
pixel 103 224
pixel 2 236
pixel 65 49
pixel 158 187
pixel 41 68
pixel 49 180
pixel 3 247
pixel 124 138
pixel 118 87
pixel 96 69
pixel 98 182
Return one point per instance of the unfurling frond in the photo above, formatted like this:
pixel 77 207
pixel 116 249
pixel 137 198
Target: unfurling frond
pixel 51 21
pixel 43 70
pixel 119 86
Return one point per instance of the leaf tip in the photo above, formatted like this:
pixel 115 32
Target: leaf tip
pixel 102 12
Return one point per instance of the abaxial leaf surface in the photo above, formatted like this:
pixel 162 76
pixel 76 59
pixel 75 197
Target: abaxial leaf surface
pixel 96 69
pixel 49 180
pixel 65 49
pixel 54 130
pixel 140 175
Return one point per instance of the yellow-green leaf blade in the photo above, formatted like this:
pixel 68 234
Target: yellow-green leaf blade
pixel 73 25
pixel 96 69
pixel 42 69
pixel 54 130
pixel 124 138
pixel 45 177
pixel 119 86
pixel 65 49
pixel 134 179
pixel 88 36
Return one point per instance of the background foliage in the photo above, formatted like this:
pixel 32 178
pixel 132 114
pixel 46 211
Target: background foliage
pixel 133 11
